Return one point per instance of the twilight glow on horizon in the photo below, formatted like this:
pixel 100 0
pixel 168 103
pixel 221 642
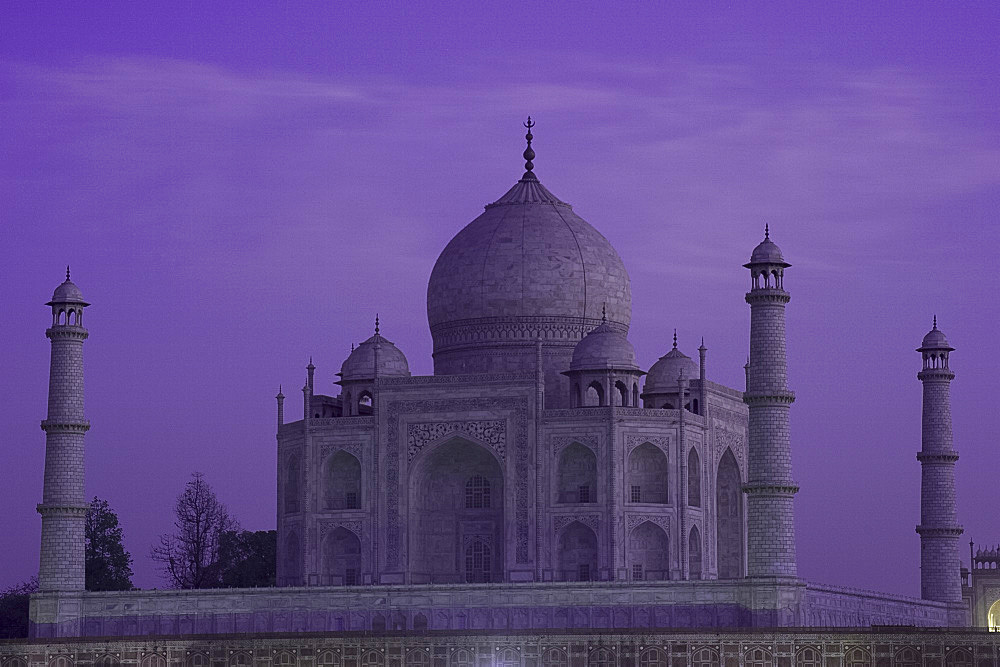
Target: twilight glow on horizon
pixel 236 193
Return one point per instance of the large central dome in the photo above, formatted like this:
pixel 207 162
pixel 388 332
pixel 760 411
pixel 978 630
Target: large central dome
pixel 527 268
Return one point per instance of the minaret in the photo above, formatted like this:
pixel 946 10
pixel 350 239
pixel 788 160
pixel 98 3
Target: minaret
pixel 769 488
pixel 940 576
pixel 61 563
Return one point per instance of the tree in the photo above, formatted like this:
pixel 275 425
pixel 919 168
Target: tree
pixel 108 565
pixel 14 603
pixel 189 558
pixel 247 558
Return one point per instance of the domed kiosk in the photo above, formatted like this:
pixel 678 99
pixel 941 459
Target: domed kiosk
pixel 527 269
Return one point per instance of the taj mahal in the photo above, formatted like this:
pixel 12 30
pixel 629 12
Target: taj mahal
pixel 539 482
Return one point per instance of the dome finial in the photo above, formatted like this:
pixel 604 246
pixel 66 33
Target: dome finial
pixel 604 313
pixel 376 324
pixel 675 339
pixel 529 154
pixel 767 232
pixel 67 273
pixel 935 322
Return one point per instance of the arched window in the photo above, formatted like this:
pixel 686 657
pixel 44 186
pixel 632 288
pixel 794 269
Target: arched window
pixel 621 394
pixel 378 622
pixel 554 657
pixel 154 660
pixel 107 661
pixel 478 565
pixel 477 493
pixel 648 553
pixel 694 478
pixel 292 560
pixel 577 553
pixel 462 658
pixel 595 394
pixel 419 622
pixel 373 658
pixel 240 659
pixel 577 475
pixel 292 484
pixel 758 657
pixel 705 657
pixel 343 482
pixel 197 660
pixel 417 658
pixel 729 510
pixel 647 475
pixel 342 555
pixel 857 657
pixel 601 657
pixel 61 661
pixel 808 657
pixel 958 658
pixel 328 659
pixel 653 657
pixel 365 403
pixel 907 657
pixel 694 554
pixel 283 659
pixel 507 657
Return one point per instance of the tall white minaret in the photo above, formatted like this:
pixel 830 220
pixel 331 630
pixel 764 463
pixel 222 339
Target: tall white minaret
pixel 940 575
pixel 769 488
pixel 61 566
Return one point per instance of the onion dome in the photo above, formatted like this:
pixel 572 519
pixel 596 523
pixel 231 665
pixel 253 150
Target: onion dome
pixel 662 377
pixel 934 340
pixel 67 292
pixel 360 365
pixel 767 252
pixel 527 267
pixel 604 348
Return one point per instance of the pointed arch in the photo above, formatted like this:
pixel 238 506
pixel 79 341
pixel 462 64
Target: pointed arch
pixel 653 656
pixel 595 395
pixel 694 553
pixel 577 553
pixel 729 512
pixel 857 657
pixel 555 657
pixel 649 553
pixel 694 478
pixel 292 484
pixel 328 659
pixel 342 557
pixel 758 657
pixel 621 393
pixel 705 657
pixel 646 475
pixel 577 475
pixel 958 657
pixel 417 657
pixel 343 481
pixel 601 657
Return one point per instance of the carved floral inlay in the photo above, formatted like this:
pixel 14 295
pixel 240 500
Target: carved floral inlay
pixel 491 432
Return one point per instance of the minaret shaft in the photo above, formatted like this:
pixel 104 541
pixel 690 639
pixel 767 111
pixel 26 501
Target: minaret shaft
pixel 770 489
pixel 63 507
pixel 940 577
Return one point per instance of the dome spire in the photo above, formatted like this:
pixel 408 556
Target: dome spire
pixel 604 313
pixel 675 339
pixel 529 154
pixel 376 324
pixel 67 273
pixel 767 232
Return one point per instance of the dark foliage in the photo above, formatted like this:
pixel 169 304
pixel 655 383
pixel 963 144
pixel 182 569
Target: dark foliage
pixel 108 565
pixel 247 558
pixel 14 609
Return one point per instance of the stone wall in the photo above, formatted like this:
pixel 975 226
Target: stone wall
pixel 876 648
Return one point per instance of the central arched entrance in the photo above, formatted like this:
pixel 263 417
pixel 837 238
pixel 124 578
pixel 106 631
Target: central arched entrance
pixel 456 515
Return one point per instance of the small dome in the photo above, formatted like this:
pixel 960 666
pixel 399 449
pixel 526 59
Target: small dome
pixel 360 365
pixel 767 252
pixel 662 377
pixel 67 293
pixel 934 340
pixel 603 348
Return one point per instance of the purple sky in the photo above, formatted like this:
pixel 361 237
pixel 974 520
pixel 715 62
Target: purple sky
pixel 236 193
